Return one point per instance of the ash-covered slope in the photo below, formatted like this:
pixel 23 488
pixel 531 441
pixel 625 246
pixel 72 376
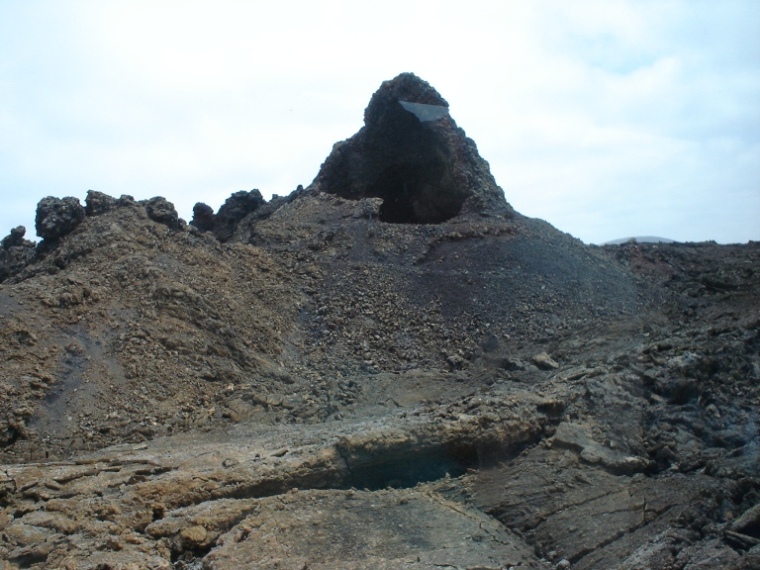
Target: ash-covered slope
pixel 495 386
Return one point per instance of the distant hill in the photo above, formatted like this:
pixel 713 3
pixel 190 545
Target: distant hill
pixel 640 239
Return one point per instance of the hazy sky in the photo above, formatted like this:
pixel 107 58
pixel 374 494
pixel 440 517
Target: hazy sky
pixel 606 118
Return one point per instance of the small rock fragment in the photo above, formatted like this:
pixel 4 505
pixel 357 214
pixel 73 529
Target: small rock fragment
pixel 194 535
pixel 544 361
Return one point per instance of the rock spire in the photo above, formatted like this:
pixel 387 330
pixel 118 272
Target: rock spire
pixel 411 154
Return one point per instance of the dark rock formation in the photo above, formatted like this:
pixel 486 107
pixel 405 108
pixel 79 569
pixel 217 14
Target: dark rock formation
pixel 203 217
pixel 57 217
pixel 97 203
pixel 234 209
pixel 162 211
pixel 411 154
pixel 15 238
pixel 15 253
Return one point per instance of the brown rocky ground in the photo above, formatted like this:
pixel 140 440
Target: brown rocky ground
pixel 306 383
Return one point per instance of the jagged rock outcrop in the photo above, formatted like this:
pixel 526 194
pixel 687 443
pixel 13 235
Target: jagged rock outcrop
pixel 203 217
pixel 97 203
pixel 411 154
pixel 15 238
pixel 234 209
pixel 15 252
pixel 57 217
pixel 162 211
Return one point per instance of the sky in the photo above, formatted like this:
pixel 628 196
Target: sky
pixel 608 119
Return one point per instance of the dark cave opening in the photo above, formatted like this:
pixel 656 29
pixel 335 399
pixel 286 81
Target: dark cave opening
pixel 418 192
pixel 404 467
pixel 409 469
pixel 415 193
pixel 397 189
pixel 408 162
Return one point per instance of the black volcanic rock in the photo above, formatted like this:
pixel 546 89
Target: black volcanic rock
pixel 15 252
pixel 234 209
pixel 162 211
pixel 97 203
pixel 411 154
pixel 203 217
pixel 57 217
pixel 15 238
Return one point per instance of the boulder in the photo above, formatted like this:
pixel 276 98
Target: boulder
pixel 162 211
pixel 57 217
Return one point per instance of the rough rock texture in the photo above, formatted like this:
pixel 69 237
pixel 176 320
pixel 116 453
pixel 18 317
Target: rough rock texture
pixel 162 211
pixel 15 253
pixel 15 238
pixel 326 389
pixel 97 203
pixel 57 217
pixel 203 217
pixel 411 154
pixel 234 209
